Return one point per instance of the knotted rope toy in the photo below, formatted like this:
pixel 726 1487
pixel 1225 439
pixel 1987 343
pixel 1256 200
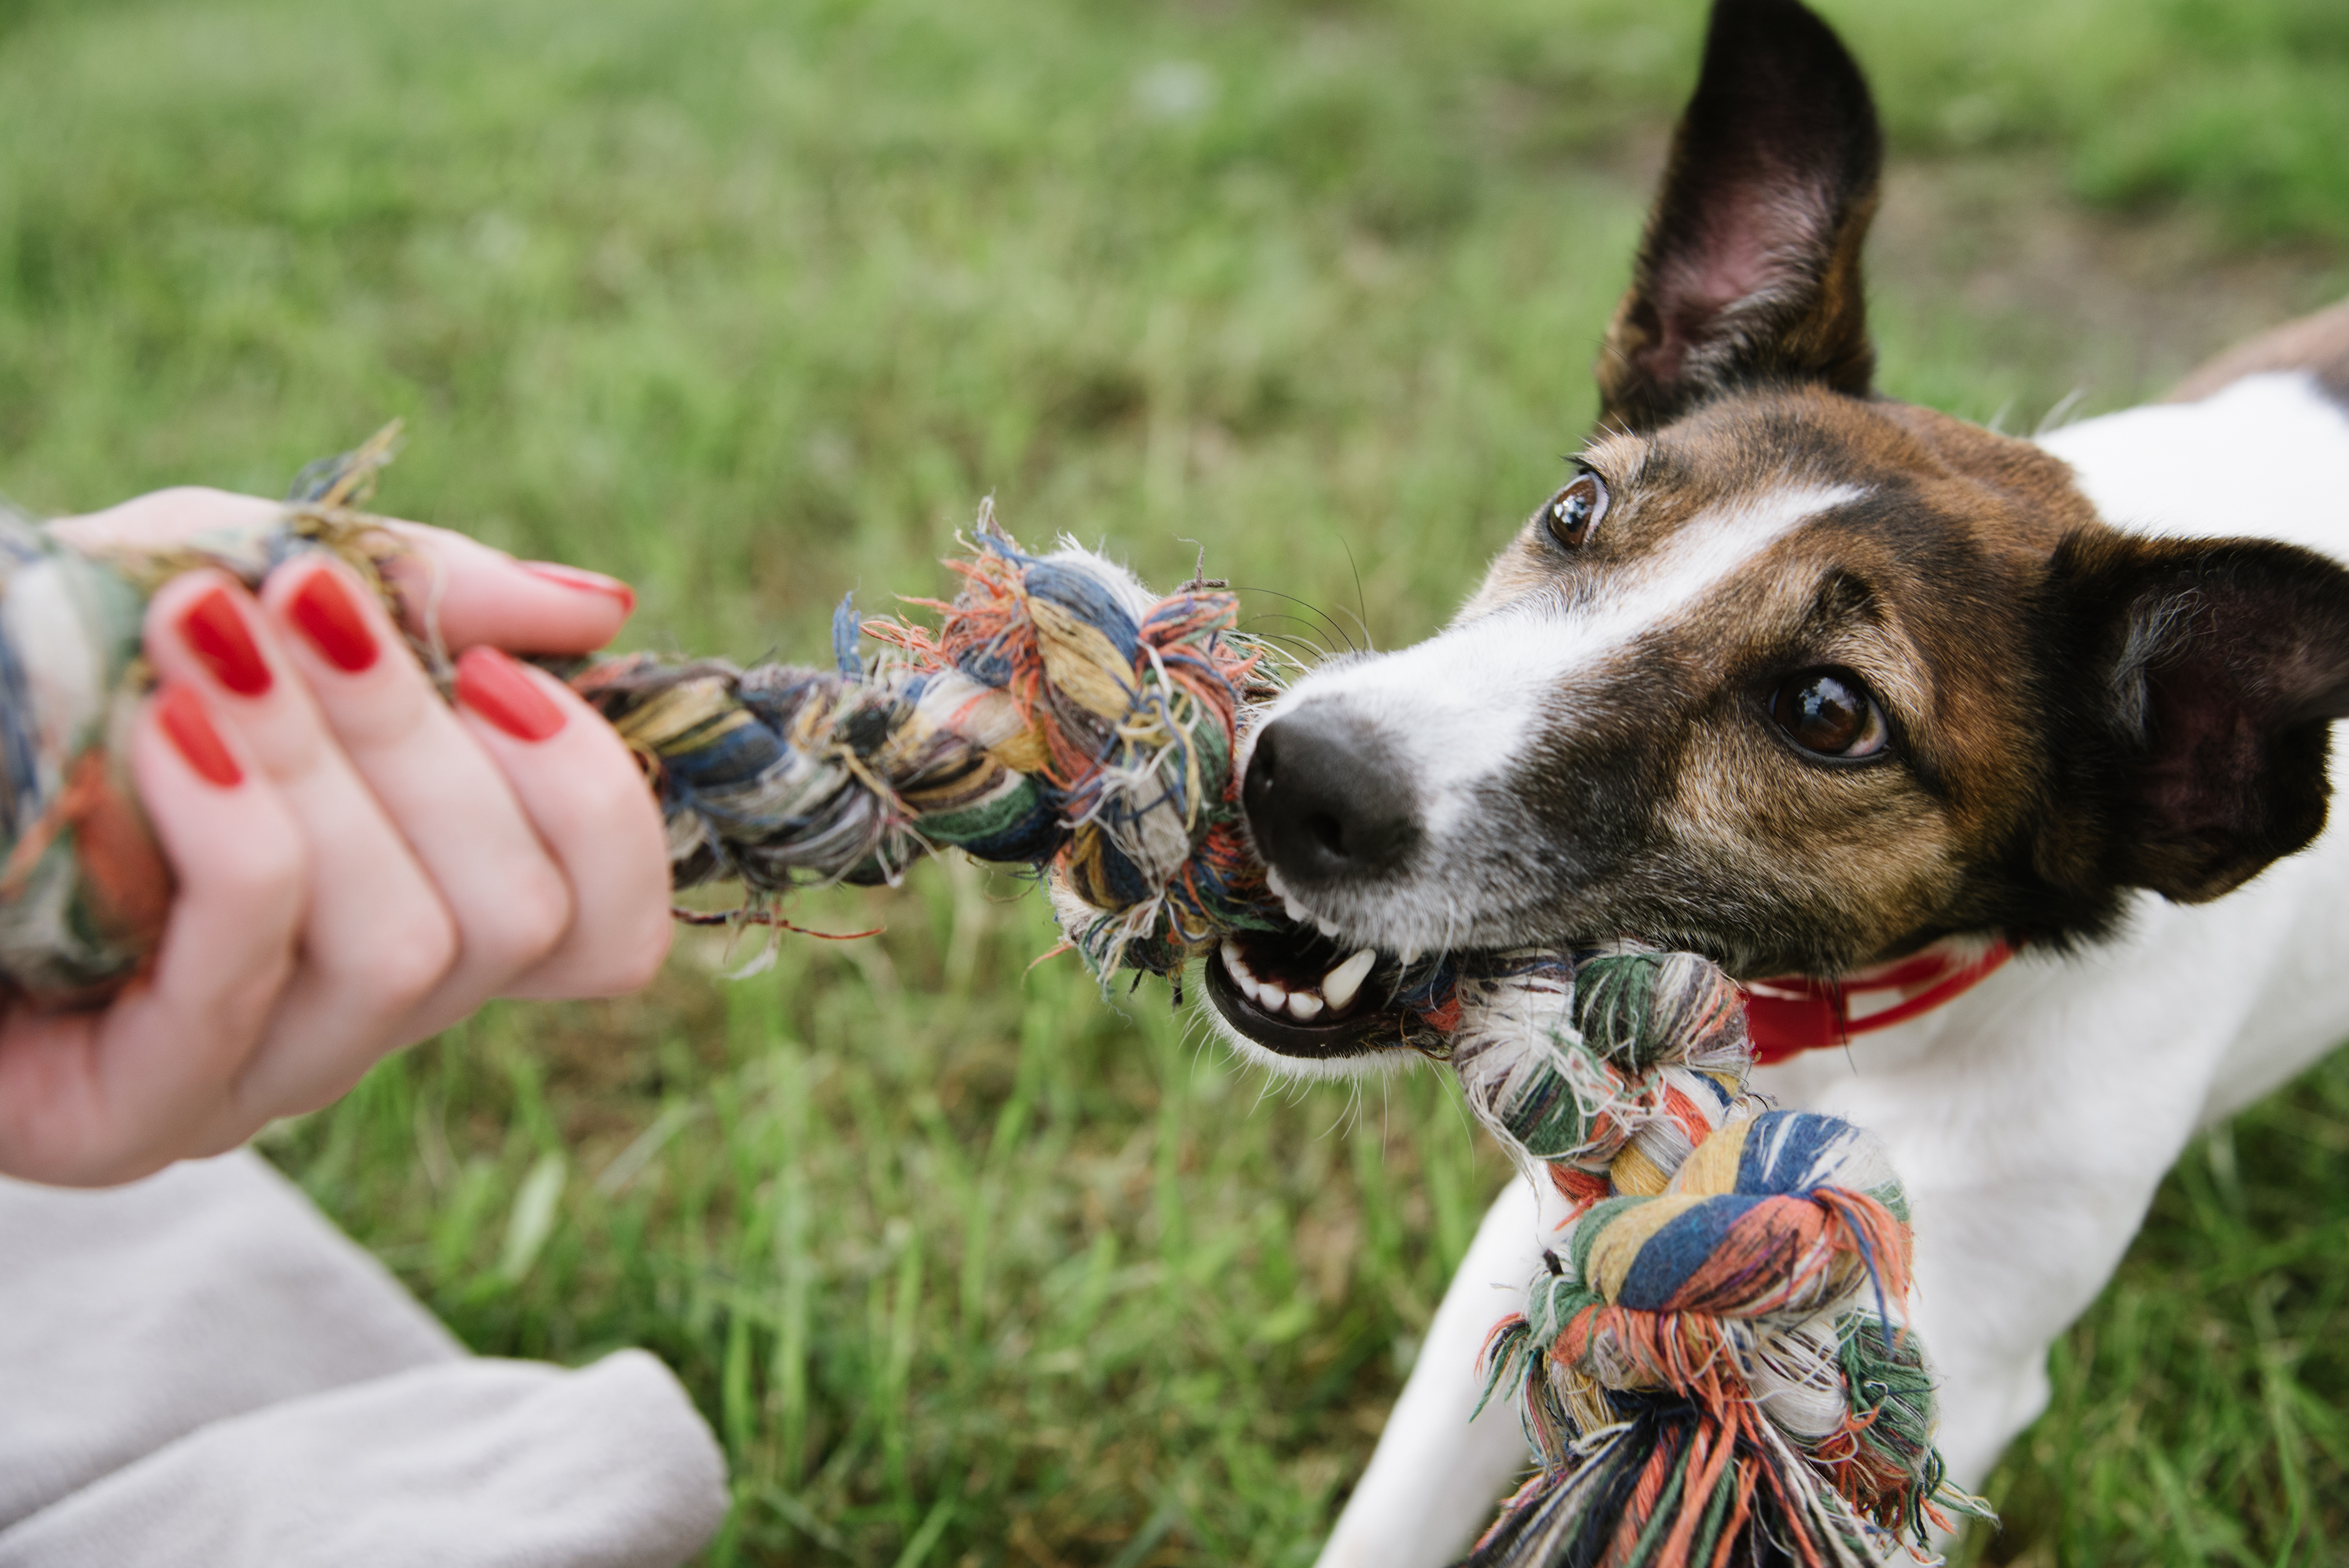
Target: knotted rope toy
pixel 1715 1370
pixel 1716 1366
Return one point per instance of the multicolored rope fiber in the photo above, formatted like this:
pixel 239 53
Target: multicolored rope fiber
pixel 1060 716
pixel 1716 1366
pixel 1715 1369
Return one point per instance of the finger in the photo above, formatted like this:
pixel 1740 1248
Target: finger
pixel 589 801
pixel 475 595
pixel 472 592
pixel 438 786
pixel 93 1098
pixel 375 939
pixel 165 517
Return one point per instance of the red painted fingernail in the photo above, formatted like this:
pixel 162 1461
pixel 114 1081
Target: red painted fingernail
pixel 321 607
pixel 586 582
pixel 496 687
pixel 189 730
pixel 214 628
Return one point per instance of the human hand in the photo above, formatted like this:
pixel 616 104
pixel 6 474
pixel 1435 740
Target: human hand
pixel 359 865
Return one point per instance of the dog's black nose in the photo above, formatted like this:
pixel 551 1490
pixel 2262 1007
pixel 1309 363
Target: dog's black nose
pixel 1324 800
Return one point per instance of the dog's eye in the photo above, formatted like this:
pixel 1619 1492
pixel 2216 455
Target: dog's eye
pixel 1575 511
pixel 1830 712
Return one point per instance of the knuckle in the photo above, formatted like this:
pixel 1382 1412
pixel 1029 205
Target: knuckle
pixel 640 957
pixel 379 719
pixel 268 872
pixel 533 915
pixel 412 952
pixel 619 956
pixel 613 799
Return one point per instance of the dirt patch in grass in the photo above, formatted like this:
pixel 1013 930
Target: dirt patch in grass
pixel 2143 296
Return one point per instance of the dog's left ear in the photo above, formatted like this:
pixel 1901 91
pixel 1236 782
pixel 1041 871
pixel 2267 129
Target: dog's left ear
pixel 2214 669
pixel 1749 272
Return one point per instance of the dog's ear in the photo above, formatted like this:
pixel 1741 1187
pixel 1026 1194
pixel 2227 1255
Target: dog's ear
pixel 2214 670
pixel 1750 268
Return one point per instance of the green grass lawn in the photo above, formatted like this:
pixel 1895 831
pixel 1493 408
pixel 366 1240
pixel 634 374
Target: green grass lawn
pixel 753 301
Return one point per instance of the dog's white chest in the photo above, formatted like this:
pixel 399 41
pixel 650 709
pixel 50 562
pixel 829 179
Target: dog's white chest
pixel 2033 1118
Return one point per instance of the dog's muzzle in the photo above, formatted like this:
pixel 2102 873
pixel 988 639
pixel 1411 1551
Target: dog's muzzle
pixel 1330 812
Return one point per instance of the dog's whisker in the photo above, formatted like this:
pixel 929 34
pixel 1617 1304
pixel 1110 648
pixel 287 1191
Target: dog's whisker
pixel 1315 652
pixel 1362 605
pixel 1336 630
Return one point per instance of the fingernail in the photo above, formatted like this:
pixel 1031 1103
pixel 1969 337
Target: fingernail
pixel 586 582
pixel 321 607
pixel 214 628
pixel 189 730
pixel 496 687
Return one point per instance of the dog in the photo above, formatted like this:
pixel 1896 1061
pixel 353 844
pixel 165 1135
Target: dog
pixel 1842 691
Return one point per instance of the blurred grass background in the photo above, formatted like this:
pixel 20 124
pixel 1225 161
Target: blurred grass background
pixel 752 301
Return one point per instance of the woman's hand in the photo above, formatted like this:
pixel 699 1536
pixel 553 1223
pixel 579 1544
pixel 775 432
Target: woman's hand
pixel 359 864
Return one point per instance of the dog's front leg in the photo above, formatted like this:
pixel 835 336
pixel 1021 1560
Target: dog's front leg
pixel 1435 1476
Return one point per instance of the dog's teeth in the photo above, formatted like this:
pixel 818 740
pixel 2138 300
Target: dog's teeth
pixel 1304 1007
pixel 1270 997
pixel 1341 984
pixel 1327 927
pixel 1297 909
pixel 1236 966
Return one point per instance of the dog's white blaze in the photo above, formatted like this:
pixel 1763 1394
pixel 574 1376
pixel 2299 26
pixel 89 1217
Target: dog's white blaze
pixel 1707 552
pixel 1456 709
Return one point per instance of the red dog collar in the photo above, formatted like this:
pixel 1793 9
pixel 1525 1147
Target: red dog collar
pixel 1794 1014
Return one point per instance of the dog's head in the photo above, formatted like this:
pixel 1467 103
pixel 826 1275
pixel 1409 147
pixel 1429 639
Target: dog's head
pixel 1787 673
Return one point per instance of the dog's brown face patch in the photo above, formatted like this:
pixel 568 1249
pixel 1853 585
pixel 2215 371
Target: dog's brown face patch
pixel 1919 580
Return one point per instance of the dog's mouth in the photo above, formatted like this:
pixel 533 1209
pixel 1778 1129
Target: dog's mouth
pixel 1312 997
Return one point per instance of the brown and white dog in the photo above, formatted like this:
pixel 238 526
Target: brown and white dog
pixel 1812 680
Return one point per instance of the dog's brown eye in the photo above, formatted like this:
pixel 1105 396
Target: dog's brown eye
pixel 1830 712
pixel 1575 511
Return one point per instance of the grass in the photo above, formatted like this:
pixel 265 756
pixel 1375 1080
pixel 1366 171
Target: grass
pixel 2198 1411
pixel 752 303
pixel 924 1237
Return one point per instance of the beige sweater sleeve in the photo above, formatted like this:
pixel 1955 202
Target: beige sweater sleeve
pixel 198 1369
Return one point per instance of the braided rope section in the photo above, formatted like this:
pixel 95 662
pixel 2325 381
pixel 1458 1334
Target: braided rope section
pixel 1057 717
pixel 1716 1367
